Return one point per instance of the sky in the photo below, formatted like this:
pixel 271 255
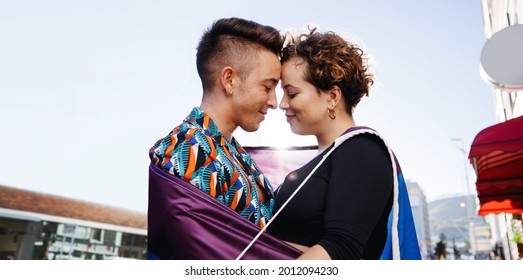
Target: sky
pixel 87 87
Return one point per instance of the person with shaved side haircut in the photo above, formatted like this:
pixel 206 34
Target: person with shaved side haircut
pixel 239 67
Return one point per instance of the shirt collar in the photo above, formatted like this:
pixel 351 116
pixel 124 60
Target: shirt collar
pixel 199 118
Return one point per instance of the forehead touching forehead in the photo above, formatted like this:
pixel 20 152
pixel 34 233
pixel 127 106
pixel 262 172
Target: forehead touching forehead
pixel 294 69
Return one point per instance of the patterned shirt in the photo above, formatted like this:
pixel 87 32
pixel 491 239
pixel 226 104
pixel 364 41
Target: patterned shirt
pixel 199 153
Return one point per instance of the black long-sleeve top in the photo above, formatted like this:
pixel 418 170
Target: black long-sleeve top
pixel 344 206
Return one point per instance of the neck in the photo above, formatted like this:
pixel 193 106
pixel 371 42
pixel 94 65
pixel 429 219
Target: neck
pixel 219 113
pixel 334 130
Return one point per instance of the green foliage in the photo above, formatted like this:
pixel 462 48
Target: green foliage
pixel 518 239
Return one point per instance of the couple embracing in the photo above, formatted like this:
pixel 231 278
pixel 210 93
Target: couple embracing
pixel 208 199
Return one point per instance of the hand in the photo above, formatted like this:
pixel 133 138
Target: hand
pixel 316 252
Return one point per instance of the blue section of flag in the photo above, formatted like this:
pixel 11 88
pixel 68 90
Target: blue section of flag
pixel 152 256
pixel 406 230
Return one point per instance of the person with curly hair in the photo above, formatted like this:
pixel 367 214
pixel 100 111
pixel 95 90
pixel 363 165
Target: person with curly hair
pixel 340 204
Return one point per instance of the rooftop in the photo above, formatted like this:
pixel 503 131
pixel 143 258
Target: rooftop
pixel 23 200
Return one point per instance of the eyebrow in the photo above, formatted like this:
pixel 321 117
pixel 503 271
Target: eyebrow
pixel 287 86
pixel 271 80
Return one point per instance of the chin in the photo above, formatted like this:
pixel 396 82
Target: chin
pixel 251 128
pixel 298 131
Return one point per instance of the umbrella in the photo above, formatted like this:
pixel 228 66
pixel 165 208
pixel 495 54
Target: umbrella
pixel 497 157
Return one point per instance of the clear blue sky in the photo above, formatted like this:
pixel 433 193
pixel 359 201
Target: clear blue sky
pixel 87 88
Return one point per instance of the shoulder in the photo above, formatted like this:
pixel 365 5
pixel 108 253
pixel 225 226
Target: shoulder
pixel 184 135
pixel 361 152
pixel 365 159
pixel 362 142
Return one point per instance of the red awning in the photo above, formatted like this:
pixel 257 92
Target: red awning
pixel 497 157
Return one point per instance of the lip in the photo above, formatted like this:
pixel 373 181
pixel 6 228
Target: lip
pixel 263 114
pixel 290 117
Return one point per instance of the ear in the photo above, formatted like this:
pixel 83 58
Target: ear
pixel 226 79
pixel 334 96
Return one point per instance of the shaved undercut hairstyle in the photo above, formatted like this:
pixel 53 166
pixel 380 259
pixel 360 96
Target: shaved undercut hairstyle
pixel 234 42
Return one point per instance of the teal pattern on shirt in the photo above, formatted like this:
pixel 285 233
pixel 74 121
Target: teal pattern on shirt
pixel 199 153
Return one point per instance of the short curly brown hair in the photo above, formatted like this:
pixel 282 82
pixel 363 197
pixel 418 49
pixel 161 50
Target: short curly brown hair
pixel 332 61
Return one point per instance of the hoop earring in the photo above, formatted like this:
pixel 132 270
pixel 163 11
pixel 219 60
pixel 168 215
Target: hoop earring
pixel 331 113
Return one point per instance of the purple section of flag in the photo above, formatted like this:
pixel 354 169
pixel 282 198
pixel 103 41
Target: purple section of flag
pixel 186 223
pixel 276 163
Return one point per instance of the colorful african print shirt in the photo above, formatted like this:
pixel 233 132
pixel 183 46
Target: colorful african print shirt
pixel 199 153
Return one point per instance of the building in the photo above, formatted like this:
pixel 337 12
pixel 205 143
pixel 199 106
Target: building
pixel 420 212
pixel 41 226
pixel 498 15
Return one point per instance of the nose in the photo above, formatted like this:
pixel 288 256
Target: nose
pixel 284 104
pixel 273 101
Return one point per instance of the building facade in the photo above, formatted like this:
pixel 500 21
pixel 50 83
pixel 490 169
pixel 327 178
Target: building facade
pixel 497 16
pixel 40 226
pixel 420 212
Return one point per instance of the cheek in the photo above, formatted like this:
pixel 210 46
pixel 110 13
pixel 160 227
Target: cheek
pixel 257 98
pixel 295 104
pixel 301 106
pixel 250 100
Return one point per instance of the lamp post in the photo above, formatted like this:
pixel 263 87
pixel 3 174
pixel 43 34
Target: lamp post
pixel 471 223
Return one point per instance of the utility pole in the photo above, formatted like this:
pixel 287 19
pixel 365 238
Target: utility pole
pixel 470 215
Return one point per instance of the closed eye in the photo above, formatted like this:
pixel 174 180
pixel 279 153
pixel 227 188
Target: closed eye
pixel 291 94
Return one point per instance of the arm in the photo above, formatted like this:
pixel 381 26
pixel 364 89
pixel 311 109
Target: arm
pixel 360 187
pixel 316 252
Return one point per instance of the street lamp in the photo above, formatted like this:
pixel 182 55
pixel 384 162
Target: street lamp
pixel 471 224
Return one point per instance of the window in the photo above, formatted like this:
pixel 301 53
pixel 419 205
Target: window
pixel 96 234
pixel 109 237
pixel 77 254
